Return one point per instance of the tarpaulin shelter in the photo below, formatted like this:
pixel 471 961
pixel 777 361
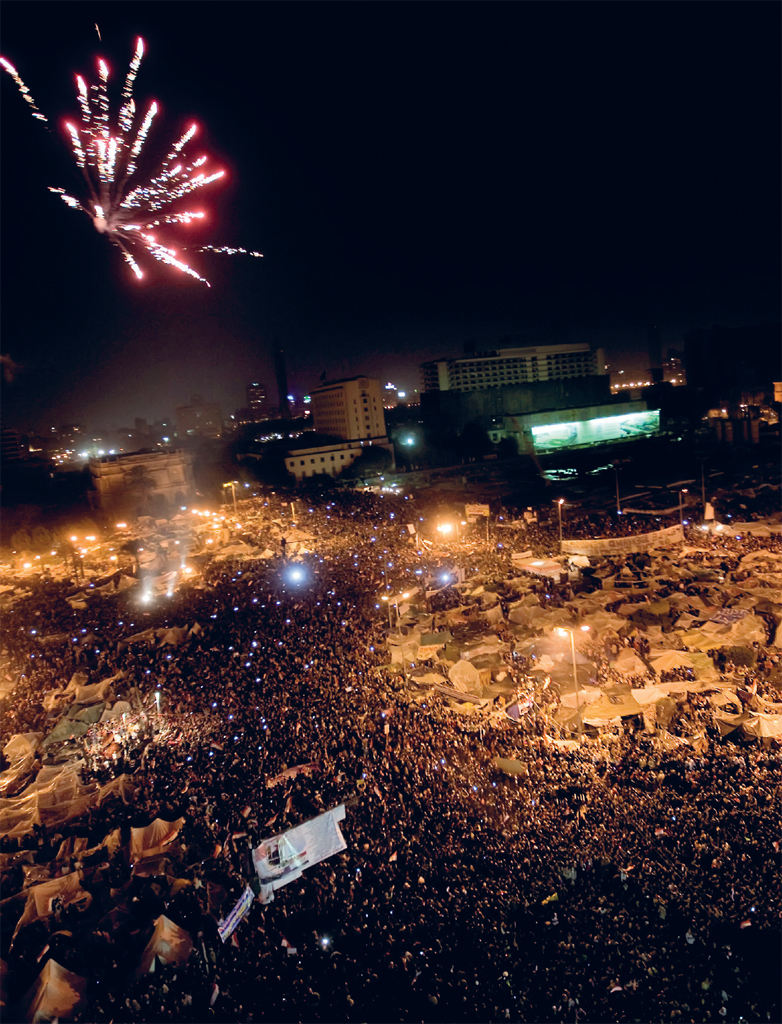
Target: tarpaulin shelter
pixel 56 994
pixel 168 944
pixel 671 660
pixel 612 704
pixel 20 751
pixel 67 729
pixel 43 899
pixel 762 726
pixel 628 663
pixel 465 677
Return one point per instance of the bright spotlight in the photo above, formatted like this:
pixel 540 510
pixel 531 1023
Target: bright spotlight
pixel 296 575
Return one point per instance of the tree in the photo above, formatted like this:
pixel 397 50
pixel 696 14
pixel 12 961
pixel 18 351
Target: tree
pixel 371 462
pixel 140 484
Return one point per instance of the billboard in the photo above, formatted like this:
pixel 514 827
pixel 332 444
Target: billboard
pixel 285 857
pixel 554 436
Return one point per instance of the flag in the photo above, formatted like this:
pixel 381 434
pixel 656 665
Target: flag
pixel 746 923
pixel 392 858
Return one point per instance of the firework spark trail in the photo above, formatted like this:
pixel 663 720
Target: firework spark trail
pixel 23 89
pixel 108 158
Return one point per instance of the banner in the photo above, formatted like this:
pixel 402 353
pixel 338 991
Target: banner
pixel 284 858
pixel 654 511
pixel 476 510
pixel 228 925
pixel 624 545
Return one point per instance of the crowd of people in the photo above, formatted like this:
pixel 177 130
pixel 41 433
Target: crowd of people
pixel 614 881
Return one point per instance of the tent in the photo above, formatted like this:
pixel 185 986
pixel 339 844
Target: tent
pixel 671 660
pixel 41 898
pixel 153 839
pixel 629 664
pixel 56 994
pixel 465 677
pixel 612 705
pixel 168 944
pixel 20 751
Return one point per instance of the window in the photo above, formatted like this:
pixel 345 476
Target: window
pixel 302 462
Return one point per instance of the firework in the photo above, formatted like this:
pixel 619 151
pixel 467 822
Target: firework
pixel 107 155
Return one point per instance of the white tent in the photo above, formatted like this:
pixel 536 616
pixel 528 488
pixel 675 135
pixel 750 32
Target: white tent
pixel 629 664
pixel 671 660
pixel 169 944
pixel 56 994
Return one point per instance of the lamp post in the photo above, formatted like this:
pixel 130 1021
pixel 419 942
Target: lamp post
pixel 560 503
pixel 232 485
pixel 618 503
pixel 682 492
pixel 563 631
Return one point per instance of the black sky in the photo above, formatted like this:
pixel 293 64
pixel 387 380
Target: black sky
pixel 417 175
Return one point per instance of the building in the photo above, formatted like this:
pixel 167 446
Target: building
pixel 199 419
pixel 455 409
pixel 257 399
pixel 350 409
pixel 329 459
pixel 143 483
pixel 501 367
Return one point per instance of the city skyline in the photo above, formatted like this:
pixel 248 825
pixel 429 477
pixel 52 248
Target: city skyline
pixel 416 177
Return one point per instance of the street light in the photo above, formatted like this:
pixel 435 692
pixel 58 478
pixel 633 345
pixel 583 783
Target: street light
pixel 560 503
pixel 563 631
pixel 682 492
pixel 232 485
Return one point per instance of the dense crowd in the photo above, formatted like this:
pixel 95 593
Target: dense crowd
pixel 617 881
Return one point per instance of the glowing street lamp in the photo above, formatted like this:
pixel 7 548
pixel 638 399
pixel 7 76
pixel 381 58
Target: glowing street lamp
pixel 682 492
pixel 232 485
pixel 563 631
pixel 560 503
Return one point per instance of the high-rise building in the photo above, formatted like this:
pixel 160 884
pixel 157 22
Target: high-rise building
pixel 528 365
pixel 256 400
pixel 199 419
pixel 351 409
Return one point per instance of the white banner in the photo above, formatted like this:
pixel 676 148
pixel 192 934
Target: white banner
pixel 476 510
pixel 624 545
pixel 284 858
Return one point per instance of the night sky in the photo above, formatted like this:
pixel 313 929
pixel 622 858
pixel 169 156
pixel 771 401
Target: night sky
pixel 417 176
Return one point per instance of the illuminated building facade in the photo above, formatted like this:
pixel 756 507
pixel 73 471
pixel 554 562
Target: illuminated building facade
pixel 351 409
